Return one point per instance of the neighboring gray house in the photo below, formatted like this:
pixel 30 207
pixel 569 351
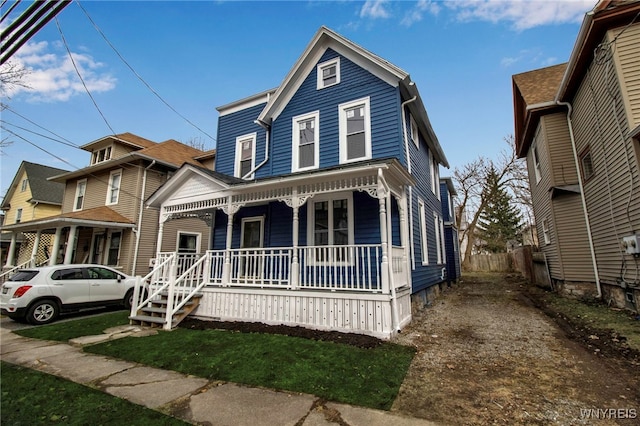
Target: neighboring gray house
pixel 578 125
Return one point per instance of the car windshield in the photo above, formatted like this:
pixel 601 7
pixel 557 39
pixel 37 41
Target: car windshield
pixel 22 276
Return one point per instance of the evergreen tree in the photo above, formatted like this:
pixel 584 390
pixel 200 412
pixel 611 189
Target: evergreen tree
pixel 500 221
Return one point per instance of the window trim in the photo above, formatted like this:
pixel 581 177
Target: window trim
pixel 439 228
pixel 583 155
pixel 295 141
pixel 242 230
pixel 24 184
pixel 414 131
pixel 330 198
pixel 198 236
pixel 18 218
pixel 535 156
pixel 424 235
pixel 109 248
pixel 546 237
pixel 110 188
pixel 237 168
pixel 108 153
pixel 321 66
pixel 84 195
pixel 343 129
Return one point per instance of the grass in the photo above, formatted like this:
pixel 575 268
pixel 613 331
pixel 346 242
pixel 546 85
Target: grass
pixel 30 397
pixel 63 331
pixel 337 372
pixel 597 316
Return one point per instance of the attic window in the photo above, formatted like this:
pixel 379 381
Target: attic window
pixel 25 183
pixel 328 73
pixel 101 155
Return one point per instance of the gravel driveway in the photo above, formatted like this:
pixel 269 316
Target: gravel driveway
pixel 486 355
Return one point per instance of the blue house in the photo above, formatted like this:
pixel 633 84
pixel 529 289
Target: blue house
pixel 325 203
pixel 451 242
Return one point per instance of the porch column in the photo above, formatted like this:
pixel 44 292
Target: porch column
pixel 11 255
pixel 159 240
pixel 295 262
pixel 226 268
pixel 71 242
pixel 34 251
pixel 384 269
pixel 56 246
pixel 404 234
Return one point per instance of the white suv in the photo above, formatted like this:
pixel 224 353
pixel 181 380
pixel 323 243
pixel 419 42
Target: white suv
pixel 39 295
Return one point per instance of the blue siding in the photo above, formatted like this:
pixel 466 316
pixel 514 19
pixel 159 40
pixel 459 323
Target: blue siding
pixel 453 254
pixel 229 128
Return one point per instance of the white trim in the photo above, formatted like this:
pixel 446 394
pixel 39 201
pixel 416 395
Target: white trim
pixel 329 198
pixel 253 136
pixel 108 246
pixel 365 102
pixel 536 162
pixel 108 154
pixel 295 141
pixel 439 228
pixel 415 133
pixel 198 236
pixel 97 232
pixel 436 179
pixel 110 187
pixel 545 232
pixel 320 67
pixel 24 184
pixel 18 217
pixel 84 195
pixel 424 246
pixel 252 219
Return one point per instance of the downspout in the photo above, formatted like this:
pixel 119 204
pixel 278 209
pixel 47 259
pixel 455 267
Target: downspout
pixel 137 230
pixel 408 158
pixel 584 202
pixel 266 127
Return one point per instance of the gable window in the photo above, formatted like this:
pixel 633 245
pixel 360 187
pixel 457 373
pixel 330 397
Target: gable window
pixel 423 232
pixel 415 134
pixel 25 183
pixel 331 224
pixel 545 231
pixel 306 141
pixel 114 248
pixel 245 155
pixel 114 187
pixel 586 163
pixel 101 155
pixel 355 131
pixel 536 164
pixel 328 73
pixel 18 215
pixel 81 187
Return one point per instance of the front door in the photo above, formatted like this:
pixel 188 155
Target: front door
pixel 98 246
pixel 252 238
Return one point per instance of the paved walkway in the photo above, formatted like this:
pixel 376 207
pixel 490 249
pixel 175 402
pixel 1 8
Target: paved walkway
pixel 192 399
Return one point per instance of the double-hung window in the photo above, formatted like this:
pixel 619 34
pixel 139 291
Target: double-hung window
pixel 355 130
pixel 424 246
pixel 81 187
pixel 113 253
pixel 439 226
pixel 415 134
pixel 331 225
pixel 245 155
pixel 25 183
pixel 536 164
pixel 328 73
pixel 306 142
pixel 114 187
pixel 545 232
pixel 18 215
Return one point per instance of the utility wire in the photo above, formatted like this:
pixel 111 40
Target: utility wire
pixel 40 134
pixel 6 14
pixel 64 41
pixel 7 107
pixel 138 75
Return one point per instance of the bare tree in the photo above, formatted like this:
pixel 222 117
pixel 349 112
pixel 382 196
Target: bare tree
pixel 471 181
pixel 12 77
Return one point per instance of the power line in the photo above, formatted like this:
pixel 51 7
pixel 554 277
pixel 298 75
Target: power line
pixel 64 41
pixel 138 75
pixel 40 134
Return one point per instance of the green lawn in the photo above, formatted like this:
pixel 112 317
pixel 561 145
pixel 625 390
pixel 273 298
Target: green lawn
pixel 30 397
pixel 337 372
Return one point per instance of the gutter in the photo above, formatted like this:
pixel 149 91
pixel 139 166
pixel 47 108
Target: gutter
pixel 582 35
pixel 137 229
pixel 582 198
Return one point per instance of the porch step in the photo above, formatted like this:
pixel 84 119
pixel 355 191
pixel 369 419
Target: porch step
pixel 142 319
pixel 157 310
pixel 153 315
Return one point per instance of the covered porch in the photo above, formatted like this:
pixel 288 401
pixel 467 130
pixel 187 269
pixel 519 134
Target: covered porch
pixel 326 250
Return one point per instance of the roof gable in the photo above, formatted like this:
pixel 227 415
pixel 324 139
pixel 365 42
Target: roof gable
pixel 42 190
pixel 327 39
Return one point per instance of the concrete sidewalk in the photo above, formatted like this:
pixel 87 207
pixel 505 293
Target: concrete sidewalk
pixel 190 398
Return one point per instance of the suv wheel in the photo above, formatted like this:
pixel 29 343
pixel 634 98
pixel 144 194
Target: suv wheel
pixel 128 300
pixel 42 312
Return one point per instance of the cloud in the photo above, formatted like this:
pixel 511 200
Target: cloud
pixel 51 75
pixel 530 56
pixel 374 9
pixel 522 14
pixel 415 13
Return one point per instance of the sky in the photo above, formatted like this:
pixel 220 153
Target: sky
pixel 159 69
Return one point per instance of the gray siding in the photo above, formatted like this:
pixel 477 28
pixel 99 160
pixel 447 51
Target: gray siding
pixel 563 166
pixel 600 123
pixel 627 56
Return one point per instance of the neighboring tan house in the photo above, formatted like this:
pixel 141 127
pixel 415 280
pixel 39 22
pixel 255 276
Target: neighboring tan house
pixel 325 201
pixel 578 125
pixel 451 242
pixel 29 197
pixel 103 218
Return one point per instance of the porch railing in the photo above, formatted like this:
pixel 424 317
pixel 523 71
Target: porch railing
pixel 398 265
pixel 6 274
pixel 260 267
